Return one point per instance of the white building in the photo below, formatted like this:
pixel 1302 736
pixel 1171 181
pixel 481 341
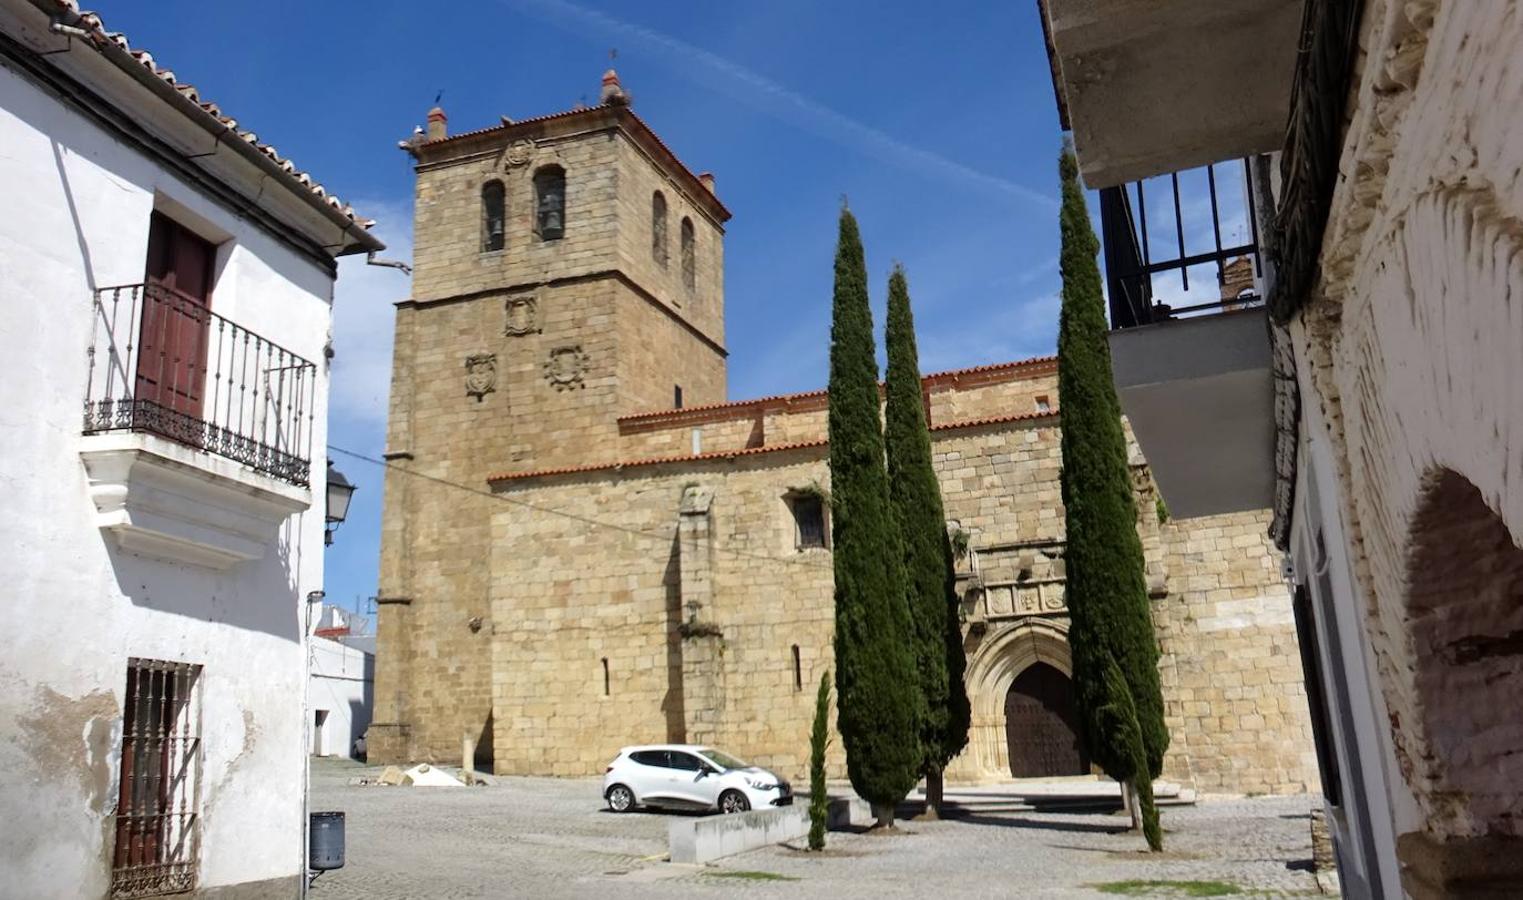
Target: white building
pixel 165 304
pixel 1378 408
pixel 341 691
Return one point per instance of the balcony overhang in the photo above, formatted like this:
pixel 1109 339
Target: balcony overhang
pixel 158 498
pixel 1156 86
pixel 1199 395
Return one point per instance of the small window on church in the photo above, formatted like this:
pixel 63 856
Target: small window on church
pixel 550 203
pixel 492 216
pixel 1043 404
pixel 808 520
pixel 605 676
pixel 689 251
pixel 798 670
pixel 658 228
pixel 676 396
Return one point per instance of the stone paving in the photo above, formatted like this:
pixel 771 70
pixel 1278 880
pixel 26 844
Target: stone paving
pixel 544 837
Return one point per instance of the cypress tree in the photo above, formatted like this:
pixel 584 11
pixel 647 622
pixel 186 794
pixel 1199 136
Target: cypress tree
pixel 819 801
pixel 877 694
pixel 928 569
pixel 1110 623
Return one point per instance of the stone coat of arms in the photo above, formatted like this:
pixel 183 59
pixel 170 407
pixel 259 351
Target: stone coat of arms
pixel 480 375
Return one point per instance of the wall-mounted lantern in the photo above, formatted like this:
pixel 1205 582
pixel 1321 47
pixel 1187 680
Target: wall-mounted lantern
pixel 339 493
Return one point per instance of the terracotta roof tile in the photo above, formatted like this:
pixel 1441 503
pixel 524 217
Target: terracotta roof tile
pixel 691 412
pixel 749 451
pixel 91 22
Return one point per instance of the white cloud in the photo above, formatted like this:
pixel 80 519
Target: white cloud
pixel 775 99
pixel 363 319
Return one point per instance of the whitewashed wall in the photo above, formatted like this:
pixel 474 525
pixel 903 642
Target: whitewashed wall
pixel 343 687
pixel 76 215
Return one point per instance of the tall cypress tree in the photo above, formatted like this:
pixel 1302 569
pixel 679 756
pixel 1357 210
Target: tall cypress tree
pixel 1110 623
pixel 928 568
pixel 877 694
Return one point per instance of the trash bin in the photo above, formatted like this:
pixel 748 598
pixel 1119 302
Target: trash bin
pixel 325 840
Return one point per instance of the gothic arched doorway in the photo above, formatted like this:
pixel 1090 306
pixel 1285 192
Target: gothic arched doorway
pixel 1042 725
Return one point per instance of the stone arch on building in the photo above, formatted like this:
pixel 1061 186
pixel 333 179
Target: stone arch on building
pixel 1465 622
pixel 993 667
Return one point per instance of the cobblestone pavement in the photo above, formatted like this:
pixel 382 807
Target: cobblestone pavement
pixel 552 838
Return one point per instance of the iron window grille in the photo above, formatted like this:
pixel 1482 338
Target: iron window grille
pixel 808 521
pixel 162 363
pixel 157 811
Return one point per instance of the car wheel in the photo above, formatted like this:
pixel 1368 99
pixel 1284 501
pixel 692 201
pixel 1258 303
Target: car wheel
pixel 621 798
pixel 733 802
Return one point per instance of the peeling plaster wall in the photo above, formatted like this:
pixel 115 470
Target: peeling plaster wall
pixel 1411 356
pixel 78 205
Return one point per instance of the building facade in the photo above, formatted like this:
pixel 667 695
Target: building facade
pixel 168 288
pixel 341 683
pixel 1385 156
pixel 585 545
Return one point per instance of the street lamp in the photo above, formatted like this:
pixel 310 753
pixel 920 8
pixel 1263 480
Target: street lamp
pixel 339 492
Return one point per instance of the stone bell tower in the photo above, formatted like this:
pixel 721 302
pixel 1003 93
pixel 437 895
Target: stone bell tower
pixel 568 270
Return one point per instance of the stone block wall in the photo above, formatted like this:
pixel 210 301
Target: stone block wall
pixel 448 260
pixel 639 179
pixel 1234 696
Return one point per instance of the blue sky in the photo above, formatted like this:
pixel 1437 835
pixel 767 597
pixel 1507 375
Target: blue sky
pixel 939 126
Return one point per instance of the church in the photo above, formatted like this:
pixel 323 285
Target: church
pixel 587 544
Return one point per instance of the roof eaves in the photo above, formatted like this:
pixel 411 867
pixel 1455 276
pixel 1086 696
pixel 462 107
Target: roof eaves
pixel 141 65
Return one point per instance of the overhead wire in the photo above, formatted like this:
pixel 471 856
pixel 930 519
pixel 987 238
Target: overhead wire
pixel 565 514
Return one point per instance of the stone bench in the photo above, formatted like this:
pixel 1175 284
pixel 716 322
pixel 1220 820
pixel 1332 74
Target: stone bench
pixel 701 839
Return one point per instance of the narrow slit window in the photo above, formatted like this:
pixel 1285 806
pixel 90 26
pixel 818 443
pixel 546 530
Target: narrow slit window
pixel 605 676
pixel 157 815
pixel 798 670
pixel 550 203
pixel 676 396
pixel 658 228
pixel 689 253
pixel 493 216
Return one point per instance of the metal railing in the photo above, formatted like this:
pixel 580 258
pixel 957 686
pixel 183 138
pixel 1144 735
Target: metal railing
pixel 1131 264
pixel 161 362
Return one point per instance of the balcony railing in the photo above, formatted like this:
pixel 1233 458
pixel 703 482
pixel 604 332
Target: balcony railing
pixel 161 362
pixel 1132 260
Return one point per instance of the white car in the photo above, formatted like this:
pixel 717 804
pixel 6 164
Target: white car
pixel 688 776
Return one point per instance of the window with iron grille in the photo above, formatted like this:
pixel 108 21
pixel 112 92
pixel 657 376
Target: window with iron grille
pixel 808 520
pixel 157 823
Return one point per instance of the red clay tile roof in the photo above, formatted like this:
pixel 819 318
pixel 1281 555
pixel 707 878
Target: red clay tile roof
pixel 91 22
pixel 748 451
pixel 688 413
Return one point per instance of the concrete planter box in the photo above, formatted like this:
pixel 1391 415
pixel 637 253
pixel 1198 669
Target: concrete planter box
pixel 699 840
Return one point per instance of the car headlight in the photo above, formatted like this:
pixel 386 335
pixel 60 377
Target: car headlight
pixel 760 784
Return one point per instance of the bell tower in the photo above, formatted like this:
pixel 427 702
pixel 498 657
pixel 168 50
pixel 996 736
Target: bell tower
pixel 568 270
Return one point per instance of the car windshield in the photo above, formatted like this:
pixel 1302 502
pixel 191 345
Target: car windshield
pixel 722 760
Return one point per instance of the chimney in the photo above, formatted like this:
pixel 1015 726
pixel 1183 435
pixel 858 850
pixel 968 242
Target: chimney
pixel 707 180
pixel 436 124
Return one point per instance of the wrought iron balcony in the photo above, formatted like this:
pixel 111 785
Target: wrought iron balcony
pixel 1132 261
pixel 161 362
pixel 1189 336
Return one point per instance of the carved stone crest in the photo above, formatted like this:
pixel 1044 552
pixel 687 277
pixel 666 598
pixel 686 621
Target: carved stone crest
pixel 518 154
pixel 522 315
pixel 480 375
pixel 566 367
